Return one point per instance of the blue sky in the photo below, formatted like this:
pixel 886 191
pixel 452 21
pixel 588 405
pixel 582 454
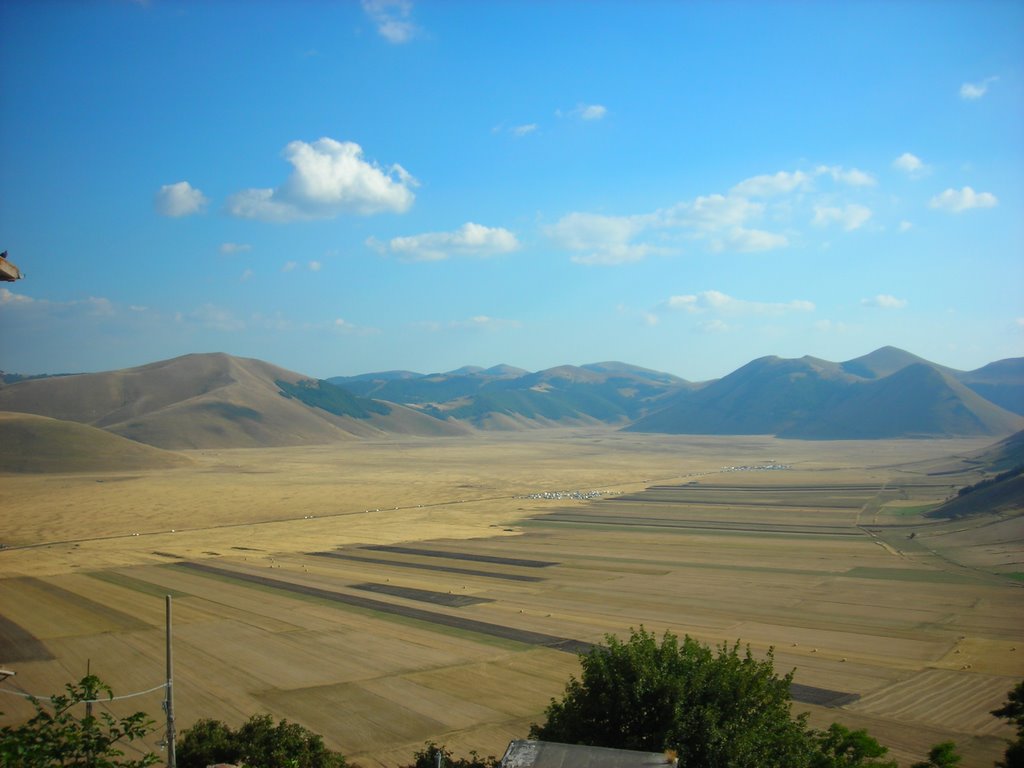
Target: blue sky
pixel 343 187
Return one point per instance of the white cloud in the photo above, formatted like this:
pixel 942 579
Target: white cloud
pixel 750 241
pixel 715 325
pixel 974 91
pixel 523 130
pixel 477 322
pixel 910 164
pixel 884 301
pixel 289 266
pixel 906 226
pixel 769 185
pixel 853 177
pixel 718 302
pixel 591 111
pixel 713 213
pixel 393 19
pixel 958 201
pixel 230 248
pixel 314 266
pixel 180 199
pixel 328 178
pixel 468 240
pixel 340 325
pixel 247 275
pixel 601 240
pixel 9 297
pixel 850 217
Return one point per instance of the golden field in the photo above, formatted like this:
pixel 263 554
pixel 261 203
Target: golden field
pixel 386 592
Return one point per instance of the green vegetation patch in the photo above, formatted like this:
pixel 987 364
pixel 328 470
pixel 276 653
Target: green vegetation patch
pixel 908 574
pixel 136 585
pixel 321 394
pixel 918 509
pixel 1015 575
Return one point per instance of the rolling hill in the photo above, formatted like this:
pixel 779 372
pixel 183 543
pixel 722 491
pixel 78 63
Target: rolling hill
pixel 215 401
pixel 888 393
pixel 30 443
pixel 505 397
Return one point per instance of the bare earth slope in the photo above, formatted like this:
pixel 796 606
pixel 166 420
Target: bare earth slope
pixel 30 443
pixel 212 401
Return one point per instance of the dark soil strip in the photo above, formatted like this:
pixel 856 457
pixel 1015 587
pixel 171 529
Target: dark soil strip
pixel 759 504
pixel 18 644
pixel 809 694
pixel 118 619
pixel 707 525
pixel 423 595
pixel 456 622
pixel 461 556
pixel 426 566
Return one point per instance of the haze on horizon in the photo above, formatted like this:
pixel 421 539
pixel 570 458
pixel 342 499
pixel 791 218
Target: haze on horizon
pixel 346 187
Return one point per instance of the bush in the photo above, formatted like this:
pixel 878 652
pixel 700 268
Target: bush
pixel 259 743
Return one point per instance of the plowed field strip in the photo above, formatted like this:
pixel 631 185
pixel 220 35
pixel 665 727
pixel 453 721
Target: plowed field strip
pixel 18 644
pixel 758 504
pixel 456 622
pixel 426 566
pixel 423 595
pixel 460 556
pixel 119 619
pixel 713 525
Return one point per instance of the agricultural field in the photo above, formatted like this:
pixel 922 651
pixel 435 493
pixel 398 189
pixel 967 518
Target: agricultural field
pixel 384 593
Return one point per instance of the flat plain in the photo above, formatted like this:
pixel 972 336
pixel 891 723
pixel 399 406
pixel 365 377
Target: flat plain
pixel 384 593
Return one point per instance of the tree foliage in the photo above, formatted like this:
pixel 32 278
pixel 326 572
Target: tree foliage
pixel 716 708
pixel 428 758
pixel 1013 711
pixel 258 743
pixel 67 734
pixel 942 755
pixel 839 747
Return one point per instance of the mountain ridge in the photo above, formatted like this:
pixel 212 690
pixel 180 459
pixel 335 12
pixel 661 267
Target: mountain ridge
pixel 205 400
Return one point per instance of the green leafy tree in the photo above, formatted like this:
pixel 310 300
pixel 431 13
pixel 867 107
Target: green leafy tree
pixel 942 755
pixel 839 747
pixel 1013 711
pixel 428 758
pixel 67 734
pixel 716 708
pixel 258 743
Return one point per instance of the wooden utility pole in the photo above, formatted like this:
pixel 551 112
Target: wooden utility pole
pixel 169 701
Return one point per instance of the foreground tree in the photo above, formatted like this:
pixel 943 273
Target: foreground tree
pixel 942 755
pixel 1013 711
pixel 259 743
pixel 716 709
pixel 839 747
pixel 67 734
pixel 433 755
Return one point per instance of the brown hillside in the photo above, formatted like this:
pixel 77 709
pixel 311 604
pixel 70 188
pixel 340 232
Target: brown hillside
pixel 30 443
pixel 205 401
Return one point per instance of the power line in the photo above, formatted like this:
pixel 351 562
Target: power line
pixel 85 701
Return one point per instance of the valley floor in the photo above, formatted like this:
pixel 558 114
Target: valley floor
pixel 384 593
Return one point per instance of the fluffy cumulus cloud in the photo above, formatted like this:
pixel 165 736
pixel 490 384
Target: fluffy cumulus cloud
pixel 180 199
pixel 884 301
pixel 468 240
pixel 910 164
pixel 596 239
pixel 850 217
pixel 960 200
pixel 523 130
pixel 852 177
pixel 393 19
pixel 328 178
pixel 770 185
pixel 720 303
pixel 974 91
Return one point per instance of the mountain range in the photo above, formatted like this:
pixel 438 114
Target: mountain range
pixel 219 401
